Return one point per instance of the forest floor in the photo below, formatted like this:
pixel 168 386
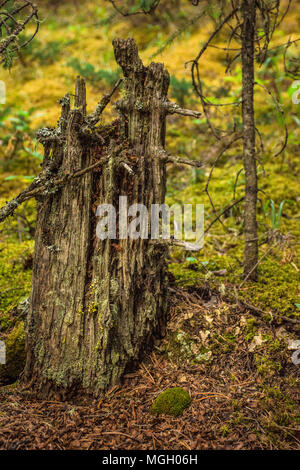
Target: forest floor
pixel 243 388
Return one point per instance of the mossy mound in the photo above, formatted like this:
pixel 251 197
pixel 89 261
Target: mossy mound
pixel 172 401
pixel 15 355
pixel 15 274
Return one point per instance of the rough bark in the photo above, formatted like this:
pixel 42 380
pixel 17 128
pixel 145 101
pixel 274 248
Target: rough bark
pixel 251 242
pixel 96 305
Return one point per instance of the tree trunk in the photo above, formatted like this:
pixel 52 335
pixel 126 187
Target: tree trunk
pixel 248 39
pixel 96 305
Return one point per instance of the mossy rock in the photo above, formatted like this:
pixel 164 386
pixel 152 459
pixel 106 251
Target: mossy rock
pixel 15 355
pixel 172 401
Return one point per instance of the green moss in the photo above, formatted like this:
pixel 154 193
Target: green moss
pixel 223 344
pixel 266 366
pixel 251 328
pixel 225 430
pixel 275 345
pixel 281 411
pixel 172 401
pixel 184 275
pixel 239 418
pixel 5 321
pixel 15 278
pixel 15 354
pixel 277 287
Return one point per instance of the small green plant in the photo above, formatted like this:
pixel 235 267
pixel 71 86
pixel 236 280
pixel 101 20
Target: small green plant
pixel 225 430
pixel 20 121
pixel 271 70
pixel 275 216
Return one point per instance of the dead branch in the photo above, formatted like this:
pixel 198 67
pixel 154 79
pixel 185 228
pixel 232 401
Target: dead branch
pixel 93 118
pixel 259 311
pixel 181 243
pixel 46 186
pixel 48 134
pixel 182 161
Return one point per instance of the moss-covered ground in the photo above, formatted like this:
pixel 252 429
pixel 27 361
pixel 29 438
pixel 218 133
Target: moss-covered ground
pixel 172 401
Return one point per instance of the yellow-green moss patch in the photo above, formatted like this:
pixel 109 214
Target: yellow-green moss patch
pixel 172 401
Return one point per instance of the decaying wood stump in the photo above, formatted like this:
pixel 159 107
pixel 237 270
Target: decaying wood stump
pixel 96 305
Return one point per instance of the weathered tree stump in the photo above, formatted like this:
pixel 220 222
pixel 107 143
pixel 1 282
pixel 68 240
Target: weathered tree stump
pixel 96 305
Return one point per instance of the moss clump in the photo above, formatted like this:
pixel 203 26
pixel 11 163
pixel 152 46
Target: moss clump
pixel 251 329
pixel 15 354
pixel 185 276
pixel 5 321
pixel 171 402
pixel 266 366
